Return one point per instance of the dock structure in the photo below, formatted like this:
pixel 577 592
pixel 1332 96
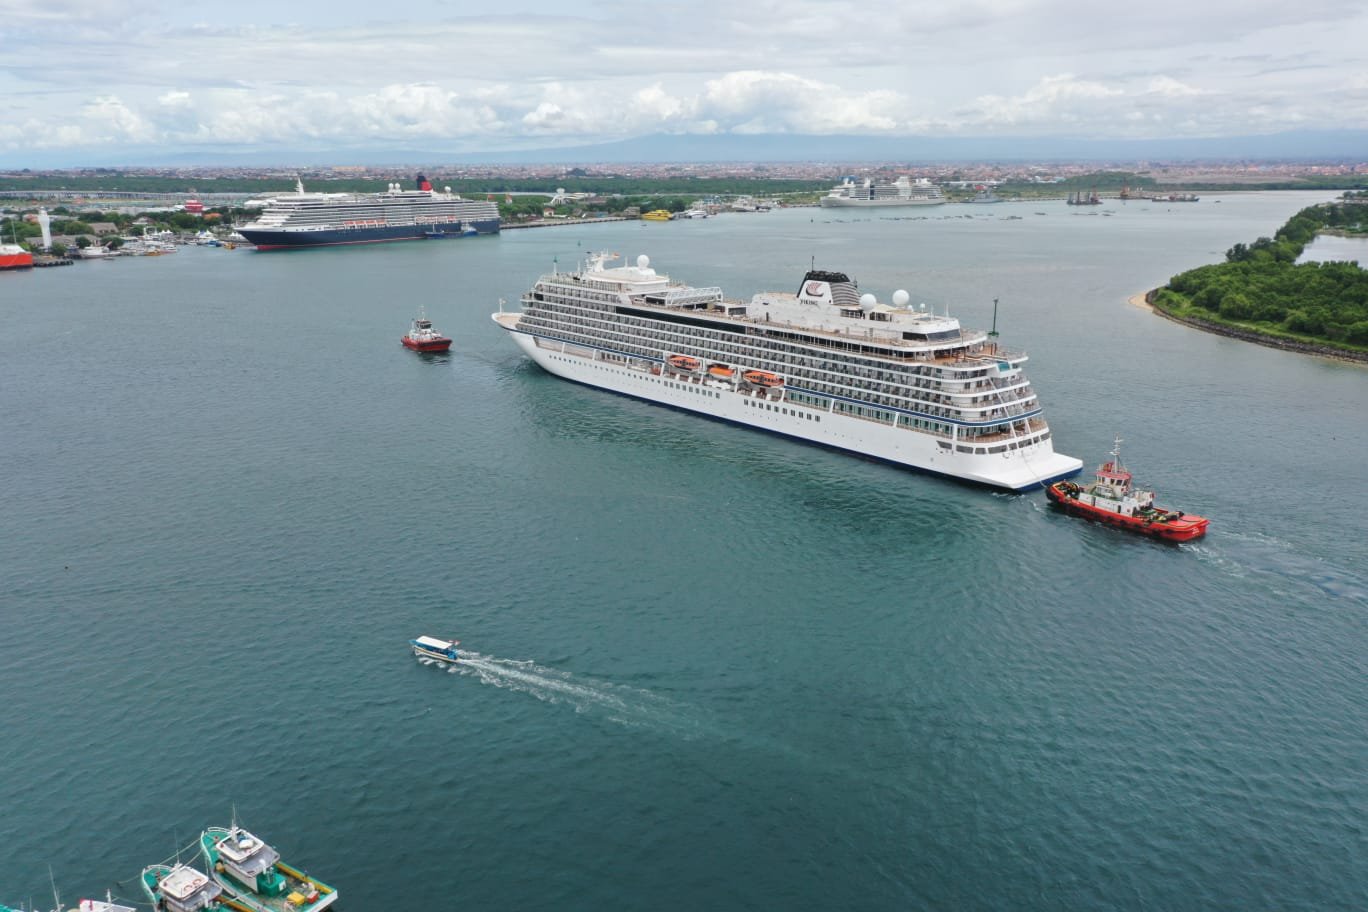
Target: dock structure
pixel 557 223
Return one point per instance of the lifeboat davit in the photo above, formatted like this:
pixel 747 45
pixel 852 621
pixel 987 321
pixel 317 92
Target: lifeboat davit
pixel 683 363
pixel 762 378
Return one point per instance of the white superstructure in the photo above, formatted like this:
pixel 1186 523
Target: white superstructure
pixel 825 364
pixel 901 192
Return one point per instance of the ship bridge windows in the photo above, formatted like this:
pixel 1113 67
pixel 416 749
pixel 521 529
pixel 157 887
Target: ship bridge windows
pixel 948 335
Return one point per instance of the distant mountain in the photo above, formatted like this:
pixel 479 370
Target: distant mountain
pixel 731 147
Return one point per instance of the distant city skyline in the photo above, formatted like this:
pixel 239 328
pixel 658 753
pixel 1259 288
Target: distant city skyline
pixel 86 83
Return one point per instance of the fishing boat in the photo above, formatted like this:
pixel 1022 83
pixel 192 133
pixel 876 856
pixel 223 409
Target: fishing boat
pixel 181 888
pixel 426 647
pixel 1112 499
pixel 100 905
pixel 252 875
pixel 423 338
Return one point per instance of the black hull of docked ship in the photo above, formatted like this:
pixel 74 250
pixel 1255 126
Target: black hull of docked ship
pixel 266 239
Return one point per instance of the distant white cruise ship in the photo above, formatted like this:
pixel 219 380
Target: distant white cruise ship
pixel 825 364
pixel 901 192
pixel 302 219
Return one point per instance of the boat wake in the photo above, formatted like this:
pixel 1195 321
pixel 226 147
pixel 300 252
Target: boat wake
pixel 621 703
pixel 1283 569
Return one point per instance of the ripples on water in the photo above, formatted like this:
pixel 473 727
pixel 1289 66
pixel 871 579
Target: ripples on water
pixel 766 675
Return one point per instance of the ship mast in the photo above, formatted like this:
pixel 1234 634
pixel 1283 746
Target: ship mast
pixel 1116 454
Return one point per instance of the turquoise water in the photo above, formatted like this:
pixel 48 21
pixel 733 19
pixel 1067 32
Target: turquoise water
pixel 717 669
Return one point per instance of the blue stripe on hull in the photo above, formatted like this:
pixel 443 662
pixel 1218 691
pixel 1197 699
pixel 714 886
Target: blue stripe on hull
pixel 870 457
pixel 334 237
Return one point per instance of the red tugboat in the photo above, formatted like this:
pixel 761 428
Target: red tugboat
pixel 1111 499
pixel 12 256
pixel 423 338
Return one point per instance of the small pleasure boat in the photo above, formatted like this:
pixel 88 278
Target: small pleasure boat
pixel 1113 500
pixel 426 647
pixel 423 338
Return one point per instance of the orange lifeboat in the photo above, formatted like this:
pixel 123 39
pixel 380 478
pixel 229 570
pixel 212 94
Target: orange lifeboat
pixel 683 363
pixel 762 378
pixel 721 372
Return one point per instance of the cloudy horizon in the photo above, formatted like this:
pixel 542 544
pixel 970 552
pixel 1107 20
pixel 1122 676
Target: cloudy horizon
pixel 80 78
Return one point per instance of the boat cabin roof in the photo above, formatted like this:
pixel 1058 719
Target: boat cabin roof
pixel 434 643
pixel 183 882
pixel 1110 471
pixel 247 851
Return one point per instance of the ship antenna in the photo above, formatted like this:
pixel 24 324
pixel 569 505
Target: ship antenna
pixel 993 333
pixel 56 899
pixel 1116 453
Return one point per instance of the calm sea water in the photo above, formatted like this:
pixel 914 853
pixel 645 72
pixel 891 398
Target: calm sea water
pixel 719 669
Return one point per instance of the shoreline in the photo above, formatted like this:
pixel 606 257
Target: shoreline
pixel 1142 300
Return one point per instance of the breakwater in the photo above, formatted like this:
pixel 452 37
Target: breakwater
pixel 1249 335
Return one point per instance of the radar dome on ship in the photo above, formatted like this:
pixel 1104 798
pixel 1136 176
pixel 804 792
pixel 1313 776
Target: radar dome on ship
pixel 643 261
pixel 900 298
pixel 868 302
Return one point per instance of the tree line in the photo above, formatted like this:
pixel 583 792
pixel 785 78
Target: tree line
pixel 1262 287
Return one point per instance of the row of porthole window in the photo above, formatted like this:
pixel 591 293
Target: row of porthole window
pixel 769 406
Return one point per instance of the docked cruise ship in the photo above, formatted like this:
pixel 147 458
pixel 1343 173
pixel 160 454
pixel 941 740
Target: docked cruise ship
pixel 824 364
pixel 901 192
pixel 302 219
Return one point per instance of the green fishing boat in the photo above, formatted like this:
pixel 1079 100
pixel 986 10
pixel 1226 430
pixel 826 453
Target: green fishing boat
pixel 181 888
pixel 255 879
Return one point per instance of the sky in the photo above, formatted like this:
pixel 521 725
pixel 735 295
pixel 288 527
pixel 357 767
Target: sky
pixel 96 79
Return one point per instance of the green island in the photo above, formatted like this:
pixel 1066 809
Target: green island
pixel 1262 294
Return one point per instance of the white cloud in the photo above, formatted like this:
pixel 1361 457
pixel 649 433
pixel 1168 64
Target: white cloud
pixel 143 72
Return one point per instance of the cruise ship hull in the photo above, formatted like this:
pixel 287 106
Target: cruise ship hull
pixel 1022 469
pixel 278 239
pixel 838 202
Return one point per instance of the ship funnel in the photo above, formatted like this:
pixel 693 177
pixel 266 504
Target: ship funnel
pixel 423 183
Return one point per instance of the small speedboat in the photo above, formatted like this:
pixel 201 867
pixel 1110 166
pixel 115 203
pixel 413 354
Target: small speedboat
pixel 426 647
pixel 423 338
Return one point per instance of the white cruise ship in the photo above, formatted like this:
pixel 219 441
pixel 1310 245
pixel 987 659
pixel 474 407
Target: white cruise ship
pixel 328 219
pixel 901 192
pixel 825 364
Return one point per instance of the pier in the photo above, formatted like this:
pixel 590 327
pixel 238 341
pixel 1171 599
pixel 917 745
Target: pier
pixel 557 223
